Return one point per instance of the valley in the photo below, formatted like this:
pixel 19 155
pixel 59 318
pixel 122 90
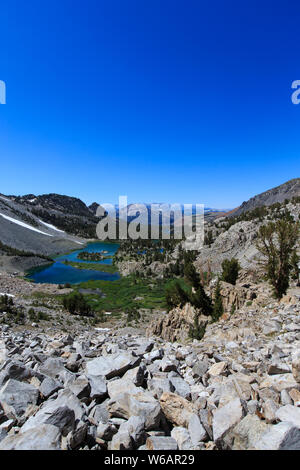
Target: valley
pixel 145 344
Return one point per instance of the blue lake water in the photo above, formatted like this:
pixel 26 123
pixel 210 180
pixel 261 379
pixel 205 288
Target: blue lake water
pixel 59 273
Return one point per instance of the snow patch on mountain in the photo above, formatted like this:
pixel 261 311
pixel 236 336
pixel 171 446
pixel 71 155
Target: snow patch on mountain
pixel 51 226
pixel 22 224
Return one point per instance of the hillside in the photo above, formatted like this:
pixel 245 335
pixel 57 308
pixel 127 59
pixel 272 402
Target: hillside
pixel 41 225
pixel 279 194
pixel 235 235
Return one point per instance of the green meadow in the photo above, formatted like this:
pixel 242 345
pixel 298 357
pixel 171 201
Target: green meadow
pixel 126 293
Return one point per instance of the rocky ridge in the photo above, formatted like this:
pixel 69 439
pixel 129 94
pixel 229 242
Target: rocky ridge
pixel 279 194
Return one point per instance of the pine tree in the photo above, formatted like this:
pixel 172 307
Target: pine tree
pixel 218 304
pixel 202 301
pixel 175 295
pixel 191 276
pixel 276 241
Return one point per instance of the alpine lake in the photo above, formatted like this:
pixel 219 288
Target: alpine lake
pixel 70 269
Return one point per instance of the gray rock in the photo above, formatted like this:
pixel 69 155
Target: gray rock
pixel 278 368
pixel 285 398
pixel 180 386
pixel 63 418
pixel 131 434
pixel 182 437
pixel 115 387
pixel 15 370
pixel 77 437
pixel 16 396
pixel 196 430
pixel 137 375
pixel 144 347
pixel 282 436
pixel 106 431
pixel 154 355
pixel 99 414
pixel 112 365
pixel 279 382
pixel 98 387
pixel 225 419
pixel 168 365
pixel 60 410
pixel 161 443
pixel 206 421
pixel 3 351
pixel 248 432
pixel 54 367
pixel 7 425
pixel 200 368
pixel 289 413
pixel 3 434
pixel 158 385
pixel 271 327
pixel 141 404
pixel 252 406
pixel 42 437
pixel 269 410
pixel 80 387
pixel 49 386
pixel 296 365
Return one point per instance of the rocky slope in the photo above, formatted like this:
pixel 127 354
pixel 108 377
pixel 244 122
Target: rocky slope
pixel 235 238
pixel 239 388
pixel 65 213
pixel 287 191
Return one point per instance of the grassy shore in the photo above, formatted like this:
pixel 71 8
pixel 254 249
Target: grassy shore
pixel 107 268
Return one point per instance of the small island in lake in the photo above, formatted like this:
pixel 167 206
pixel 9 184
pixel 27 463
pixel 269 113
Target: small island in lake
pixel 92 256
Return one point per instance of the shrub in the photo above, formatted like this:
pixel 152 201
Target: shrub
pixel 76 304
pixel 133 315
pixel 230 270
pixel 197 331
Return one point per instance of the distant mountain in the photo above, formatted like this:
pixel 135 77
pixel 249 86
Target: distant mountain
pixel 286 190
pixel 131 208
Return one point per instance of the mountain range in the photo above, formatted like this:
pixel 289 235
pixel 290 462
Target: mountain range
pixel 52 224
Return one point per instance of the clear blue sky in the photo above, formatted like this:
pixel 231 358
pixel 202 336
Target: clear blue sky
pixel 161 100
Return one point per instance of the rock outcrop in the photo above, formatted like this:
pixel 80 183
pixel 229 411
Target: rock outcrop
pixel 175 325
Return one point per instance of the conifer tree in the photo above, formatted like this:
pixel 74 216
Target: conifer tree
pixel 276 241
pixel 218 304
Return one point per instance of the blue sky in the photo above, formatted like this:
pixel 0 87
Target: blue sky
pixel 161 100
